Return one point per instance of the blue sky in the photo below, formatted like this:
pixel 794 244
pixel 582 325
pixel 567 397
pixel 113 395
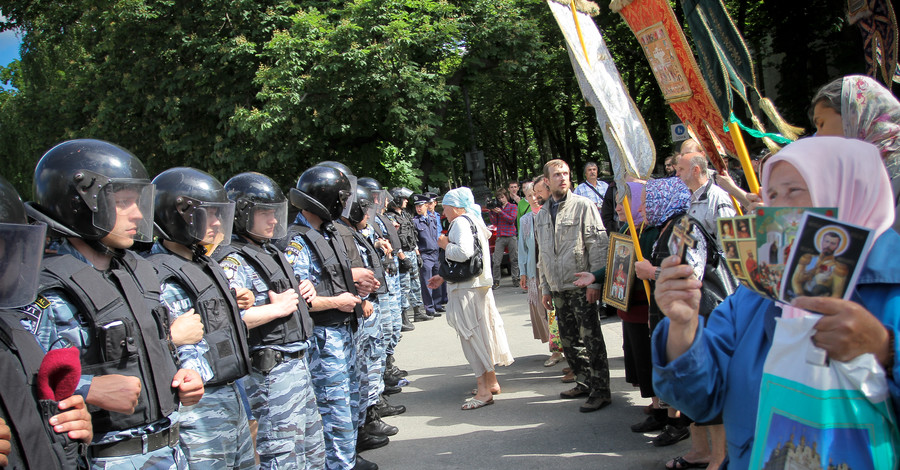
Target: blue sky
pixel 9 47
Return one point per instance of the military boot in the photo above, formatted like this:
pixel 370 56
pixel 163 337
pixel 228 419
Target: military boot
pixel 421 314
pixel 407 325
pixel 363 464
pixel 368 441
pixel 386 409
pixel 374 424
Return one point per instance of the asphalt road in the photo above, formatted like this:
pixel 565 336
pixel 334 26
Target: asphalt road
pixel 528 426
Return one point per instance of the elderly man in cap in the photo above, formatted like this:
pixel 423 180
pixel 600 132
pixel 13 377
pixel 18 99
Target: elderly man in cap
pixel 427 231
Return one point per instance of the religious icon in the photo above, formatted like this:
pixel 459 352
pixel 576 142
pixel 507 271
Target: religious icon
pixel 825 258
pixel 619 271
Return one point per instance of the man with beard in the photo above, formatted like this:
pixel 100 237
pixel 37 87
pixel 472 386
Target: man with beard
pixel 571 238
pixel 821 275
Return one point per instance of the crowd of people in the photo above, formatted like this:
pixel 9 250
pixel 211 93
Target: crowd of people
pixel 179 322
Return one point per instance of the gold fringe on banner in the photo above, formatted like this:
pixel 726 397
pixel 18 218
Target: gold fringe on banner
pixel 616 5
pixel 587 7
pixel 787 130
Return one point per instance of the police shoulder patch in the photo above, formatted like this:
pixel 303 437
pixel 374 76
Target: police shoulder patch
pixel 42 302
pixel 230 265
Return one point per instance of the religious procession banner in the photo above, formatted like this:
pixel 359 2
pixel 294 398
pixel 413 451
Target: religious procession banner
pixel 654 24
pixel 630 146
pixel 726 66
pixel 878 24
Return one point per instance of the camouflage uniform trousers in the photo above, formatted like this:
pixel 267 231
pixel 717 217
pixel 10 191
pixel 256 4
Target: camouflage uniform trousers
pixel 579 322
pixel 290 433
pixel 409 283
pixel 167 458
pixel 393 321
pixel 215 434
pixel 371 351
pixel 333 368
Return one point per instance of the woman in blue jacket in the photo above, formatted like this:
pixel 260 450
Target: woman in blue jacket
pixel 716 367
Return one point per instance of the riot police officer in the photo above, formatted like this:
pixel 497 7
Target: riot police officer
pixel 281 395
pixel 317 251
pixel 411 299
pixel 99 296
pixel 192 210
pixel 31 441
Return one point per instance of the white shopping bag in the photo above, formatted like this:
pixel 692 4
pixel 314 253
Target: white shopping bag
pixel 813 411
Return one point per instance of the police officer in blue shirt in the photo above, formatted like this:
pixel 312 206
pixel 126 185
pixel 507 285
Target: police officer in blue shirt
pixel 317 251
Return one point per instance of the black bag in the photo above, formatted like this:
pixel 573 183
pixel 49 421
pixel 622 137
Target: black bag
pixel 718 282
pixel 461 271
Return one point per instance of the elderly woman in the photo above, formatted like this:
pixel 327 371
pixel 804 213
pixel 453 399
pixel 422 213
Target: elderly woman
pixel 706 368
pixel 471 310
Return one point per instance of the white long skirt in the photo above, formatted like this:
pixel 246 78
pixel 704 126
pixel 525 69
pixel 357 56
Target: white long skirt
pixel 474 315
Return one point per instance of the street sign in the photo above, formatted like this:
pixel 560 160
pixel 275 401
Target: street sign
pixel 679 132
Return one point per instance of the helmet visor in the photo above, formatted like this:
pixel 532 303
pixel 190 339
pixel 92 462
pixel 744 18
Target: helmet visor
pixel 124 207
pixel 268 220
pixel 208 222
pixel 349 198
pixel 21 249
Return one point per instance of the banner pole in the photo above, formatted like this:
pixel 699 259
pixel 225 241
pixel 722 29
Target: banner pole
pixel 634 237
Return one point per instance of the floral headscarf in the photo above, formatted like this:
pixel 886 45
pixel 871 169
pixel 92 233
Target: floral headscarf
pixel 871 113
pixel 664 198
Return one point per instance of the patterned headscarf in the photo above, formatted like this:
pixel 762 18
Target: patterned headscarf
pixel 664 198
pixel 871 113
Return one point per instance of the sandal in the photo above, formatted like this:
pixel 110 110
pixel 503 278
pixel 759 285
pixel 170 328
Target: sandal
pixel 474 403
pixel 679 463
pixel 552 361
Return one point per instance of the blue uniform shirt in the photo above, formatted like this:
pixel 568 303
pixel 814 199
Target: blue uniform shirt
pixel 175 298
pixel 240 274
pixel 428 231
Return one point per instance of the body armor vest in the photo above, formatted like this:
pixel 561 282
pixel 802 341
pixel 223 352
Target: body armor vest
pixel 337 276
pixel 213 300
pixel 34 443
pixel 392 235
pixel 373 257
pixel 129 331
pixel 279 276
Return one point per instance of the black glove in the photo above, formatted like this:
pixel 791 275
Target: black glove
pixel 405 265
pixel 420 262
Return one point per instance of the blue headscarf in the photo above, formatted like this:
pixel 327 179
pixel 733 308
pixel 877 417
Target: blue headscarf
pixel 462 198
pixel 664 198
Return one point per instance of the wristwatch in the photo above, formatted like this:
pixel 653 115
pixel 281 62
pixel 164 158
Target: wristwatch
pixel 656 273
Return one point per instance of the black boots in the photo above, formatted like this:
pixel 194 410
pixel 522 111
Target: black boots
pixel 421 314
pixel 374 424
pixel 385 409
pixel 363 464
pixel 407 325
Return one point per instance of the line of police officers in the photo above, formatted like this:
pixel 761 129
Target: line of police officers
pixel 229 319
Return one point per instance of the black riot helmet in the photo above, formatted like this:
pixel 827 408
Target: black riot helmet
pixel 379 196
pixel 350 176
pixel 21 248
pixel 398 195
pixel 360 206
pixel 337 166
pixel 82 187
pixel 192 208
pixel 260 208
pixel 323 191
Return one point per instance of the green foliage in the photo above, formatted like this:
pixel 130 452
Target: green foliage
pixel 277 85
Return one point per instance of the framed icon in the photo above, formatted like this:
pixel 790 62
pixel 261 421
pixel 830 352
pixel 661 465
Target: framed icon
pixel 619 271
